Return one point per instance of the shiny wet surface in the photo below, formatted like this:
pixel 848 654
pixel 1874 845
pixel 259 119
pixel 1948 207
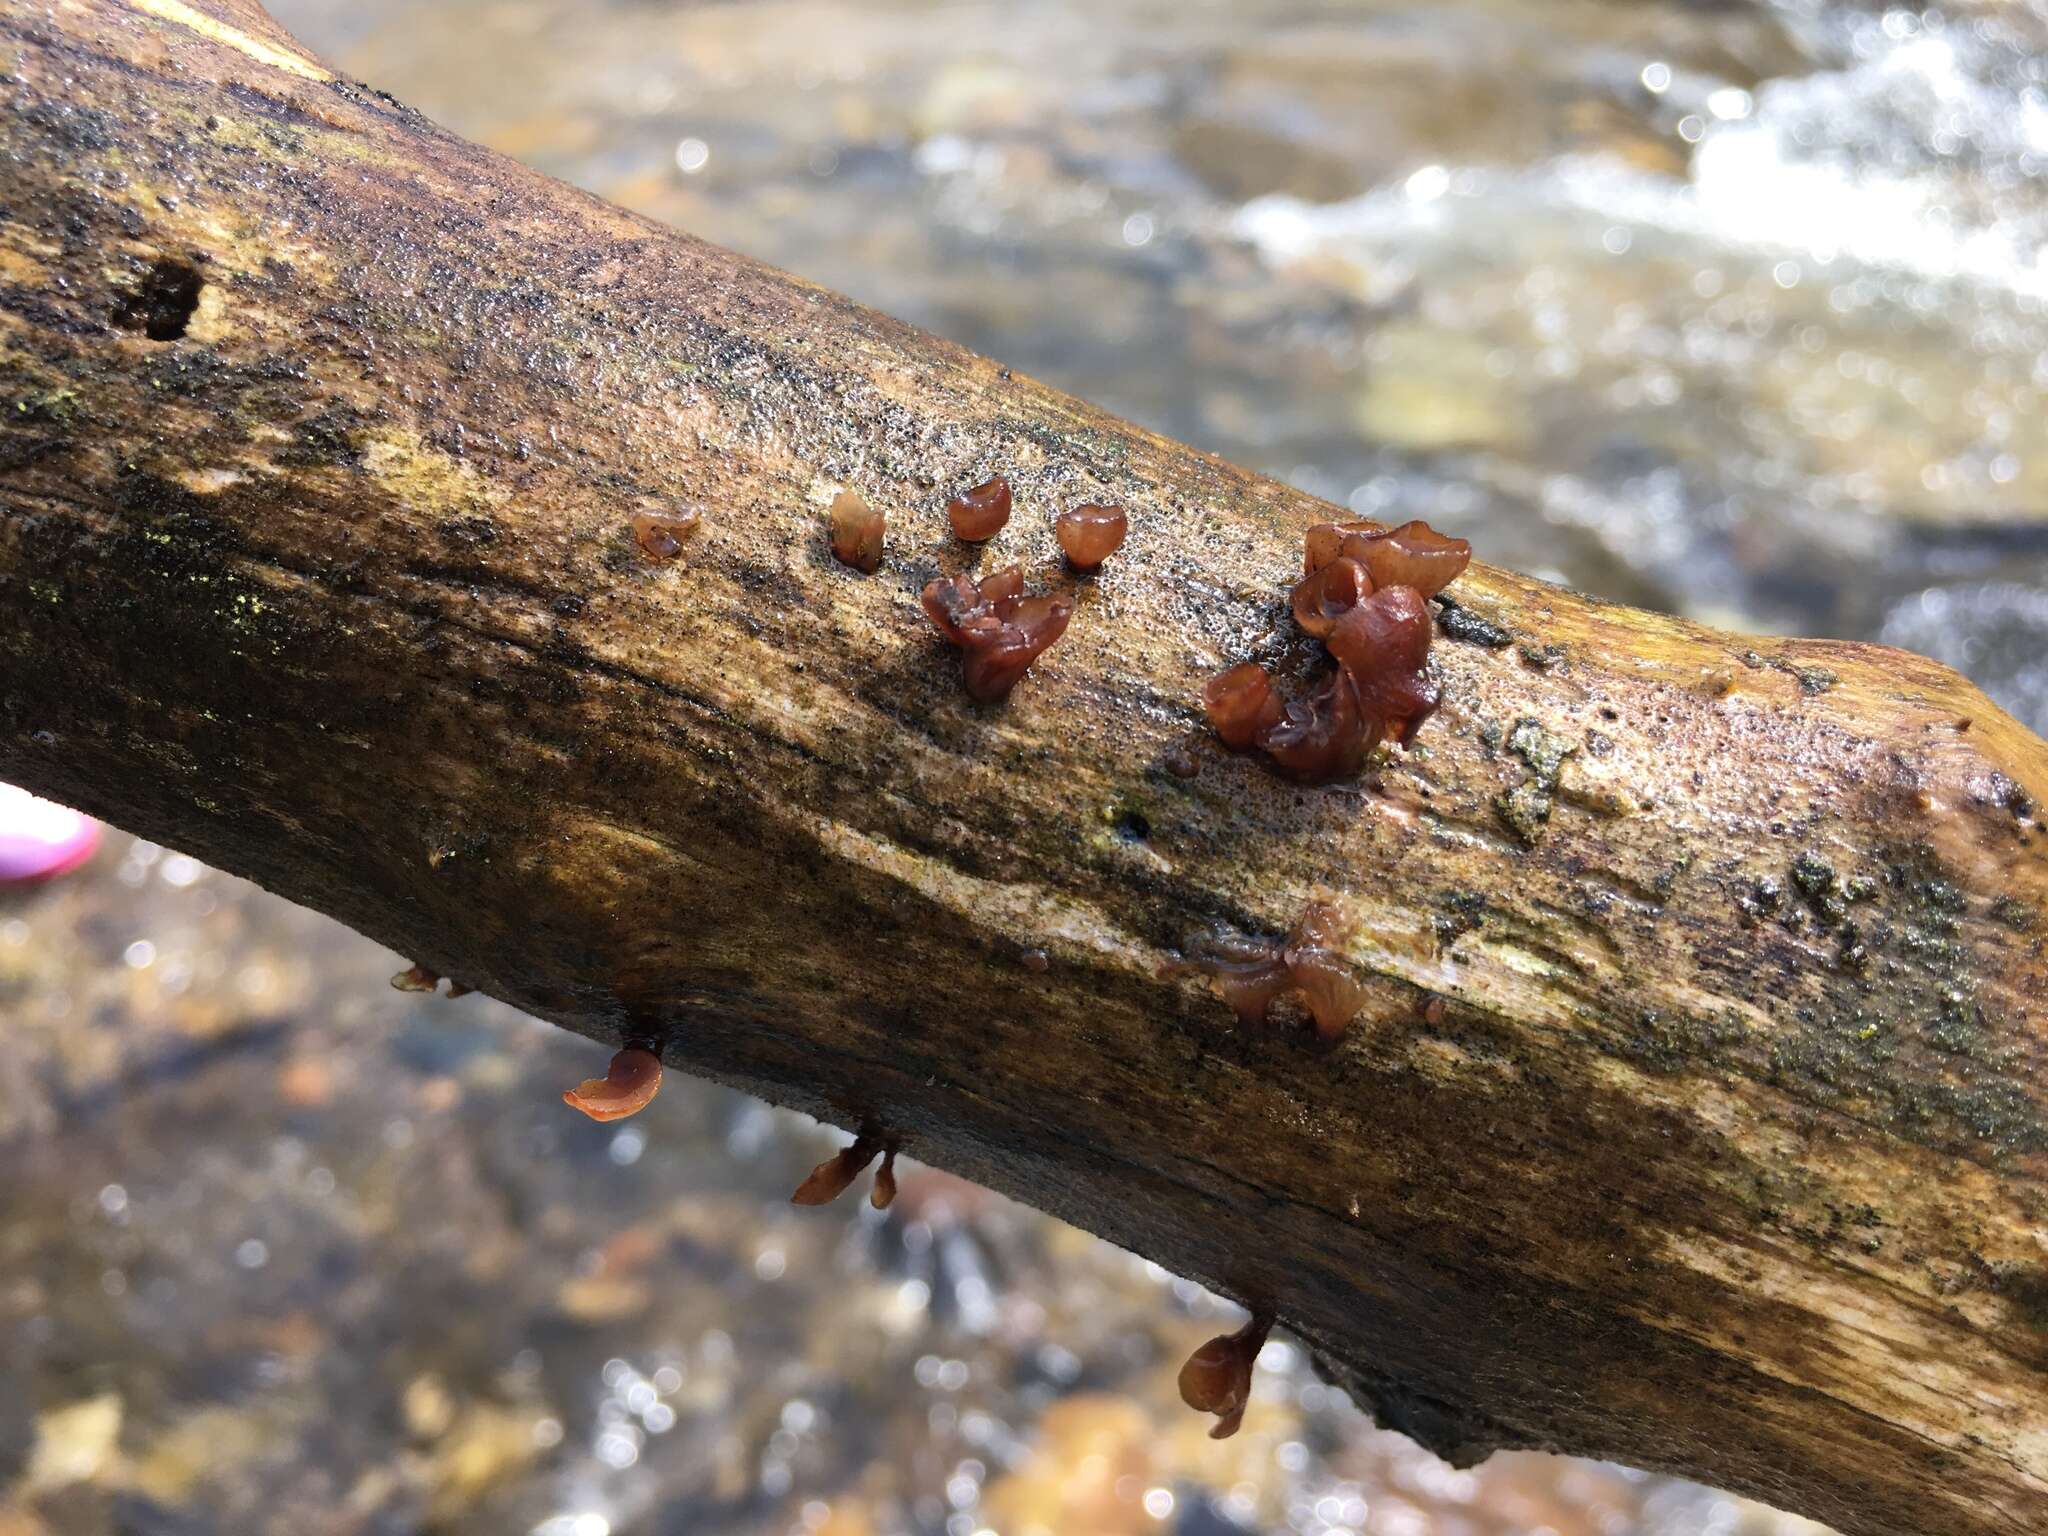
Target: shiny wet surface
pixel 1730 309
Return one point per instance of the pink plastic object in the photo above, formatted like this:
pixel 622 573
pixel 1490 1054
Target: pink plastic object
pixel 40 840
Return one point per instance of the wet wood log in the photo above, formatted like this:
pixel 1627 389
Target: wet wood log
pixel 1698 1120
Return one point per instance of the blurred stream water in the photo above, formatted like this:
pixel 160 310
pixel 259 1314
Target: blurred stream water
pixel 1731 309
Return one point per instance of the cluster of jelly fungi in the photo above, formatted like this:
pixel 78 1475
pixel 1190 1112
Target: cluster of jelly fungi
pixel 999 630
pixel 1253 974
pixel 1089 534
pixel 856 532
pixel 627 1087
pixel 1218 1377
pixel 834 1176
pixel 1364 594
pixel 980 513
pixel 661 535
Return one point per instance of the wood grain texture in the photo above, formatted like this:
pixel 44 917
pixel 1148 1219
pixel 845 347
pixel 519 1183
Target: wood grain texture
pixel 1698 1121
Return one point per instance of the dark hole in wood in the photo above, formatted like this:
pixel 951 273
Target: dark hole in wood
pixel 162 306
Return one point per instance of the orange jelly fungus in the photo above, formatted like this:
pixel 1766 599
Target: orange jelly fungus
pixel 856 532
pixel 1090 534
pixel 1364 596
pixel 1253 974
pixel 627 1087
pixel 1218 1377
pixel 883 1195
pixel 980 513
pixel 661 535
pixel 999 631
pixel 831 1178
pixel 416 979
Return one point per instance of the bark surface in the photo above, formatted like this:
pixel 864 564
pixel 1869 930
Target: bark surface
pixel 1698 1120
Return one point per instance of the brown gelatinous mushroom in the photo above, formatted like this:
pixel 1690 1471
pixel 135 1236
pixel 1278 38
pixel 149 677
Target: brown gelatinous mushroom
pixel 980 513
pixel 1326 594
pixel 1252 974
pixel 1328 984
pixel 1218 1377
pixel 661 535
pixel 1412 555
pixel 856 532
pixel 1000 632
pixel 1241 703
pixel 416 979
pixel 1323 735
pixel 1329 541
pixel 627 1087
pixel 832 1178
pixel 1364 596
pixel 1090 534
pixel 1248 974
pixel 1416 555
pixel 1383 644
pixel 883 1195
pixel 960 604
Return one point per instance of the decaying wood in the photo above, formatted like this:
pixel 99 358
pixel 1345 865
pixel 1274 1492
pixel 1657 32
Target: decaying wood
pixel 1699 1117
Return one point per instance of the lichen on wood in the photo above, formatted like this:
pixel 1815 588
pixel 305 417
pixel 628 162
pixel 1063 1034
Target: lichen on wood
pixel 1698 1120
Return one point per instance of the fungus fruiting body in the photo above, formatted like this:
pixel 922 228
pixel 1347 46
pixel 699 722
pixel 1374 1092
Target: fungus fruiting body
pixel 1382 644
pixel 660 535
pixel 1090 534
pixel 416 978
pixel 1328 984
pixel 1241 703
pixel 883 1195
pixel 1412 555
pixel 856 532
pixel 1218 1377
pixel 627 1087
pixel 1253 974
pixel 831 1178
pixel 980 513
pixel 999 630
pixel 1248 974
pixel 1322 735
pixel 1364 596
pixel 1326 594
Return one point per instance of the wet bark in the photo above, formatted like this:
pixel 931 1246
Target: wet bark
pixel 1699 1116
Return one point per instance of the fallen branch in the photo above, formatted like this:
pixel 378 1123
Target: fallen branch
pixel 1696 1119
